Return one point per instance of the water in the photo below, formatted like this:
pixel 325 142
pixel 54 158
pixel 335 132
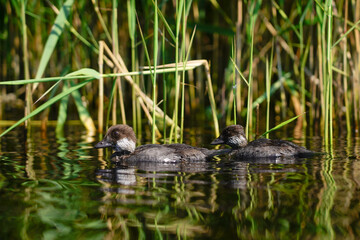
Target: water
pixel 54 187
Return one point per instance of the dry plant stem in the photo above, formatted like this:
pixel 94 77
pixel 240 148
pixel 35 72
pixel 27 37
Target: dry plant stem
pixel 119 63
pixel 101 88
pixel 279 39
pixel 114 120
pixel 238 58
pixel 148 115
pixel 192 99
pixel 197 63
pixel 212 99
pixel 96 8
pixel 121 101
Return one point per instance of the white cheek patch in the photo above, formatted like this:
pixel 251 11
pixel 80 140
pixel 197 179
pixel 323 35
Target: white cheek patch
pixel 237 141
pixel 125 144
pixel 243 140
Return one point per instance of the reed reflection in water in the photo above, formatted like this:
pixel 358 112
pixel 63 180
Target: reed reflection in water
pixel 58 186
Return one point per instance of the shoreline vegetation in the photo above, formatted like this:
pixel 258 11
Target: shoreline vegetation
pixel 245 62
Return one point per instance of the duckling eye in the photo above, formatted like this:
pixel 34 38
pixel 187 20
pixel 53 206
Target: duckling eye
pixel 115 134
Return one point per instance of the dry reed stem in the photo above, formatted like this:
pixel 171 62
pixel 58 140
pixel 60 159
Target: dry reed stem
pixel 148 115
pixel 114 118
pixel 211 97
pixel 102 22
pixel 119 63
pixel 238 56
pixel 121 100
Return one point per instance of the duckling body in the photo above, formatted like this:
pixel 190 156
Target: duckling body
pixel 122 139
pixel 235 137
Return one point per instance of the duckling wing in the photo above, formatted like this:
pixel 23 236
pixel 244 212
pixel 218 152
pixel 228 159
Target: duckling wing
pixel 188 153
pixel 272 148
pixel 153 153
pixel 168 153
pixel 193 154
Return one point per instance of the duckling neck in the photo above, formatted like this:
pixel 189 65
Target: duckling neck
pixel 237 142
pixel 125 144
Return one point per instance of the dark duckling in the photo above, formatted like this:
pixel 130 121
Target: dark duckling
pixel 235 137
pixel 123 140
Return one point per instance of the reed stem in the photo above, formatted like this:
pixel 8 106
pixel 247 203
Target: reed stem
pixel 28 98
pixel 156 46
pixel 249 97
pixel 101 88
pixel 183 47
pixel 164 86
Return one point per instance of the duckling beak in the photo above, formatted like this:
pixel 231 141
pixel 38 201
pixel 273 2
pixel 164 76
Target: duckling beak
pixel 103 144
pixel 217 141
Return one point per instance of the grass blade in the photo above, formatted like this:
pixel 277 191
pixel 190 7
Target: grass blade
pixel 282 124
pixel 55 33
pixel 83 112
pixel 62 110
pixel 47 104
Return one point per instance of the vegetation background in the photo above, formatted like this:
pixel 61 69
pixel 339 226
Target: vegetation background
pixel 256 63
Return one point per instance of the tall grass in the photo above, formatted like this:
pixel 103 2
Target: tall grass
pixel 178 11
pixel 28 97
pixel 155 57
pixel 310 37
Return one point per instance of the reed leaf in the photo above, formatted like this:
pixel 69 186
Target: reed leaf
pixel 241 75
pixel 56 31
pixel 84 115
pixel 47 104
pixel 282 124
pixel 86 72
pixel 62 115
pixel 163 19
pixel 155 56
pixel 345 34
pixel 112 94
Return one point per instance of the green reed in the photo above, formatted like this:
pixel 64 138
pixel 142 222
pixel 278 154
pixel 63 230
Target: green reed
pixel 313 48
pixel 28 97
pixel 156 44
pixel 131 14
pixel 303 58
pixel 326 30
pixel 345 77
pixel 178 9
pixel 235 85
pixel 164 84
pixel 268 83
pixel 253 15
pixel 183 53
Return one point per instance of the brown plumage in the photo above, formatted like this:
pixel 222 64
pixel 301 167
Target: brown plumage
pixel 234 136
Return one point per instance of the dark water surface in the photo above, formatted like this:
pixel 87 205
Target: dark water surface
pixel 54 187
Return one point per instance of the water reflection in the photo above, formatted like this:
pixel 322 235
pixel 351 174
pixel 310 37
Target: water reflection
pixel 58 186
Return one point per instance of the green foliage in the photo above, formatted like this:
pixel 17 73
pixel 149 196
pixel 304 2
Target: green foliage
pixel 308 48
